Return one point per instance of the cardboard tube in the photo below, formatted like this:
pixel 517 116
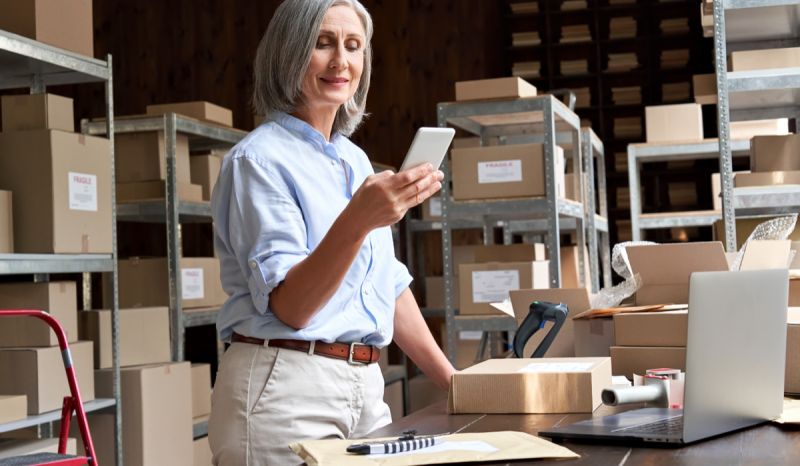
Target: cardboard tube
pixel 627 395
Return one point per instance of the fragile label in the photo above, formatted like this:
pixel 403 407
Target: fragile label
pixel 436 206
pixel 557 367
pixel 491 286
pixel 82 191
pixel 501 171
pixel 192 284
pixel 470 335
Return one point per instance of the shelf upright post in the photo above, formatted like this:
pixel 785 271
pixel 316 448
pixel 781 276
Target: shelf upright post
pixel 605 252
pixel 447 251
pixel 723 122
pixel 551 191
pixel 580 226
pixel 634 193
pixel 173 238
pixel 589 203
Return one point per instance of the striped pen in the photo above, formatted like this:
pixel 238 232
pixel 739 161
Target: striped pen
pixel 408 443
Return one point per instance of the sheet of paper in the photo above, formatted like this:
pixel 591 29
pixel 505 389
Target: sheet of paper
pixel 470 335
pixel 192 284
pixel 82 191
pixel 557 367
pixel 505 307
pixel 445 446
pixel 500 171
pixel 436 206
pixel 620 381
pixel 791 412
pixel 490 286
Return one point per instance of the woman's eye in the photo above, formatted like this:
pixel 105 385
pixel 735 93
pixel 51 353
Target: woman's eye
pixel 322 45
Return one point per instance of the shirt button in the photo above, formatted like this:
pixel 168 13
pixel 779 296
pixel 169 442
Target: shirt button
pixel 381 330
pixel 366 291
pixel 253 265
pixel 333 162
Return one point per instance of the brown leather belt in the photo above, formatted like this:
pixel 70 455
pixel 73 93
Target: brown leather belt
pixel 352 353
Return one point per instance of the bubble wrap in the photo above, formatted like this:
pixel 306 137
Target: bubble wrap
pixel 612 297
pixel 777 229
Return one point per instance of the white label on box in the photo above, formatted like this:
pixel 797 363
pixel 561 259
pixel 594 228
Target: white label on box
pixel 491 286
pixel 192 284
pixel 501 171
pixel 470 335
pixel 436 206
pixel 82 191
pixel 557 367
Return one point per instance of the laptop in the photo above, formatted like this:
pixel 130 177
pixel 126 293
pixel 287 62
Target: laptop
pixel 735 361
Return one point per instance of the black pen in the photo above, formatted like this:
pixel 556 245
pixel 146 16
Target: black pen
pixel 394 446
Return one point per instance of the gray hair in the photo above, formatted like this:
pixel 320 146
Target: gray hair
pixel 285 52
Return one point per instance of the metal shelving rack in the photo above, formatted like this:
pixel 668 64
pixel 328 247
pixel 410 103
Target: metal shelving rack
pixel 545 116
pixel 25 63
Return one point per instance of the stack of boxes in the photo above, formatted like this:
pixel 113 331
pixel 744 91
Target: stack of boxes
pixel 619 62
pixel 583 97
pixel 526 69
pixel 574 67
pixel 525 7
pixel 674 58
pixel 676 92
pixel 626 95
pixel 525 39
pixel 628 127
pixel 773 161
pixel 576 33
pixel 622 27
pixel 674 26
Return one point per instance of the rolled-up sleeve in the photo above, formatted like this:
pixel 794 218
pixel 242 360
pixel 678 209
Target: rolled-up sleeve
pixel 401 278
pixel 266 227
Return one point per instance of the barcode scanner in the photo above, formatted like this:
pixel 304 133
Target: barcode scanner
pixel 539 313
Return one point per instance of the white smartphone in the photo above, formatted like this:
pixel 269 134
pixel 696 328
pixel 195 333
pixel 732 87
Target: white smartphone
pixel 429 145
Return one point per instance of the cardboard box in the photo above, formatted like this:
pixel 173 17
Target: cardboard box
pixel 205 171
pixel 761 255
pixel 705 88
pixel 570 267
pixel 143 336
pixel 143 282
pixel 796 261
pixel 467 347
pixel 203 111
pixel 424 393
pixel 201 389
pixel 667 123
pixel 6 223
pixel 10 448
pixel 143 157
pixel 509 253
pixel 463 255
pixel 745 227
pixel 39 374
pixel 66 24
pixel 500 88
pixel 665 269
pixel 482 284
pixel 432 209
pixel 64 206
pixel 792 379
pixel 156 413
pixel 752 180
pixel 565 344
pixel 155 190
pixel 13 408
pixel 752 128
pixel 57 298
pixel 202 452
pixel 434 293
pixel 775 153
pixel 768 59
pixel 101 427
pixel 503 172
pixel 28 112
pixel 651 328
pixel 530 386
pixel 629 360
pixel 794 293
pixel 594 337
pixel 393 396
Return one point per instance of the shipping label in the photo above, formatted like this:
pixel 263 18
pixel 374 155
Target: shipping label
pixel 192 284
pixel 82 191
pixel 470 335
pixel 492 286
pixel 501 171
pixel 436 206
pixel 557 367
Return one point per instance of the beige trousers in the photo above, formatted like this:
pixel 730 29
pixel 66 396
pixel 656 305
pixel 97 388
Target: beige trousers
pixel 266 398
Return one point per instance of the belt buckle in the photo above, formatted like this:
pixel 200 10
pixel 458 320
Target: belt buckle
pixel 352 351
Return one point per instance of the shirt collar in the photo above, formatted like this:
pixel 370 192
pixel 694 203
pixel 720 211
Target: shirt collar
pixel 295 124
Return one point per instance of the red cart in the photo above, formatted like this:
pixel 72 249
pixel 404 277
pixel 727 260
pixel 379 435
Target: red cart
pixel 71 403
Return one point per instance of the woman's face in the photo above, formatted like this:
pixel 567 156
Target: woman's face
pixel 335 69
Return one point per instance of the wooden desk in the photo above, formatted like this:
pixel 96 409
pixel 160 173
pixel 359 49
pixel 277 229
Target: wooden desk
pixel 769 444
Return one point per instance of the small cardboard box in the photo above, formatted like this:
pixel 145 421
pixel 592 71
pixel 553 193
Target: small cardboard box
pixel 64 205
pixel 143 282
pixel 705 88
pixel 792 379
pixel 13 447
pixel 667 123
pixel 201 389
pixel 39 374
pixel 775 153
pixel 203 111
pixel 503 172
pixel 205 171
pixel 530 386
pixel 202 452
pixel 57 298
pixel 665 269
pixel 156 413
pixel 565 344
pixel 393 396
pixel 434 293
pixel 6 222
pixel 751 60
pixel 28 112
pixel 13 408
pixel 143 157
pixel 155 190
pixel 594 337
pixel 629 360
pixel 500 88
pixel 432 209
pixel 143 336
pixel 424 393
pixel 651 328
pixel 752 180
pixel 482 284
pixel 66 24
pixel 752 128
pixel 570 267
pixel 467 345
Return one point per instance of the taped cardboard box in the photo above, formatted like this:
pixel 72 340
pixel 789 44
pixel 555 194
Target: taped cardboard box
pixel 509 253
pixel 202 452
pixel 775 153
pixel 705 88
pixel 753 180
pixel 792 379
pixel 482 284
pixel 432 209
pixel 765 59
pixel 28 112
pixel 424 393
pixel 11 448
pixel 143 282
pixel 156 413
pixel 203 111
pixel 467 346
pixel 530 386
pixel 143 336
pixel 101 427
pixel 38 373
pixel 393 396
pixel 668 123
pixel 565 344
pixel 205 171
pixel 57 298
pixel 13 408
pixel 752 128
pixel 64 206
pixel 156 190
pixel 434 293
pixel 594 337
pixel 651 328
pixel 500 88
pixel 629 360
pixel 143 157
pixel 6 223
pixel 503 172
pixel 66 24
pixel 201 389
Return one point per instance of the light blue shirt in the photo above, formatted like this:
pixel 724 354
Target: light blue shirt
pixel 278 193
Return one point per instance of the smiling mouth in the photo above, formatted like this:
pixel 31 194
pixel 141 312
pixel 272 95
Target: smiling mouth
pixel 335 80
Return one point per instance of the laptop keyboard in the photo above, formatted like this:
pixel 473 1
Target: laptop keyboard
pixel 669 426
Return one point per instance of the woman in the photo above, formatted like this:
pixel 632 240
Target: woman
pixel 302 233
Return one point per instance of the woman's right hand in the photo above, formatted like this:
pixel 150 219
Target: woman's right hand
pixel 384 198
